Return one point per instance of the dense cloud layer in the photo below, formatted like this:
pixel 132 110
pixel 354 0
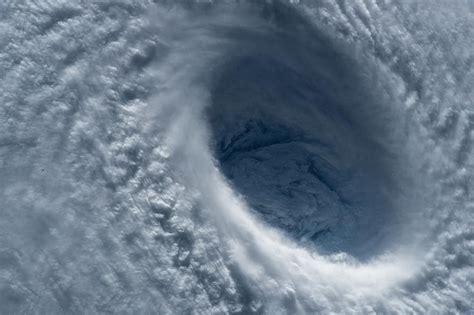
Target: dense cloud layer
pixel 236 157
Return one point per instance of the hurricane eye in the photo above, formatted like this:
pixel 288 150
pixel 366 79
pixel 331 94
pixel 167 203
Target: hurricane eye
pixel 300 157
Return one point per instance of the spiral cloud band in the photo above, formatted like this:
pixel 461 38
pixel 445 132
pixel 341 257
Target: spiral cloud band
pixel 237 157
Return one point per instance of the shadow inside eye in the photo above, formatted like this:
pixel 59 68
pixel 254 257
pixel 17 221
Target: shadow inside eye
pixel 290 143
